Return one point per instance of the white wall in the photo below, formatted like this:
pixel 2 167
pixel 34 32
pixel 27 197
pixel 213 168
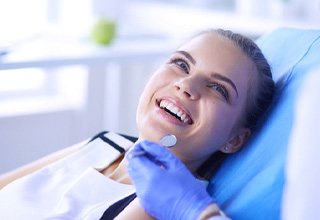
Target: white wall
pixel 26 137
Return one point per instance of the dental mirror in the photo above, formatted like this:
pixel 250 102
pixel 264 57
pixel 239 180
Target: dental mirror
pixel 168 140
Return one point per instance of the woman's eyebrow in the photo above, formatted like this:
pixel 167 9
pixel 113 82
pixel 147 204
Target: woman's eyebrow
pixel 213 75
pixel 225 79
pixel 187 55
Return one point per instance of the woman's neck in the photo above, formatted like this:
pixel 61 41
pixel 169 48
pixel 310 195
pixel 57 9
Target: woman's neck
pixel 117 171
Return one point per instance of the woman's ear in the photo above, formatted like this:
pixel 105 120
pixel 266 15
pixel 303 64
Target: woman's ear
pixel 236 142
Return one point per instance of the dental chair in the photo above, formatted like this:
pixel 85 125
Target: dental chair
pixel 250 184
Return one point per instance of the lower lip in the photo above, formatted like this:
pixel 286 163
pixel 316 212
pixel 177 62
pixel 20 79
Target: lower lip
pixel 168 117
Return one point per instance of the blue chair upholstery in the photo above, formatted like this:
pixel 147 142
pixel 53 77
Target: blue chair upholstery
pixel 249 184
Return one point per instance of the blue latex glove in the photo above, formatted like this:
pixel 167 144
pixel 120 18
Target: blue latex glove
pixel 166 188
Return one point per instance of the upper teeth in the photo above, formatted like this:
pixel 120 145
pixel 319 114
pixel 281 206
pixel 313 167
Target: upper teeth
pixel 174 109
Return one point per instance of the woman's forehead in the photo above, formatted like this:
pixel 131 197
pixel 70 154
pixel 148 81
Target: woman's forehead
pixel 216 51
pixel 209 39
pixel 213 47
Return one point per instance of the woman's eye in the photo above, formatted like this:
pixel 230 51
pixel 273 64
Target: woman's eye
pixel 220 89
pixel 182 64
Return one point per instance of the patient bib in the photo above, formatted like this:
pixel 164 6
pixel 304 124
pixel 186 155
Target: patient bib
pixel 71 188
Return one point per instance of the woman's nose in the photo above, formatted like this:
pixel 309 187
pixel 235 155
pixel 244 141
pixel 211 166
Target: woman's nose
pixel 188 88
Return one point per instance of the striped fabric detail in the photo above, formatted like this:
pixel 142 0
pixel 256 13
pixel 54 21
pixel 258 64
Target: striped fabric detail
pixel 115 209
pixel 119 142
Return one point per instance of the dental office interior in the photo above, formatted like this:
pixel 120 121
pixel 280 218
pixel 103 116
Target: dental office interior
pixel 58 86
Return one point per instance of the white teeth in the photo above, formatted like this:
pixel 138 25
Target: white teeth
pixel 175 110
pixel 170 106
pixel 164 104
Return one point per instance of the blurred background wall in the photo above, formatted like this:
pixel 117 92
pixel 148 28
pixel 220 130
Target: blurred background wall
pixel 57 87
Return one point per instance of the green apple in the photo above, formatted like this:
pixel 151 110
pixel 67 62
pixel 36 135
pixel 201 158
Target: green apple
pixel 103 31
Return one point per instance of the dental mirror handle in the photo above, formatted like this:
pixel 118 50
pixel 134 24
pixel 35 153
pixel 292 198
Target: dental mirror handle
pixel 168 140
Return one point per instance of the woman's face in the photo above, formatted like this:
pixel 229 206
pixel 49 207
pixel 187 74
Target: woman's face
pixel 199 95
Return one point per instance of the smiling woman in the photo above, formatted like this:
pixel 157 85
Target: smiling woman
pixel 200 82
pixel 207 94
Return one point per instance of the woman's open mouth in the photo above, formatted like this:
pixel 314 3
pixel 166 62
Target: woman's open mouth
pixel 175 110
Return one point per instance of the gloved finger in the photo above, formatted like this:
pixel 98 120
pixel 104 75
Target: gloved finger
pixel 142 164
pixel 161 154
pixel 137 151
pixel 144 173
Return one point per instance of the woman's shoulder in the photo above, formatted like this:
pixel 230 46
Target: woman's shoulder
pixel 98 153
pixel 107 142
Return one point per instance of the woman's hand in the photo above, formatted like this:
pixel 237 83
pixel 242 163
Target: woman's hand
pixel 164 185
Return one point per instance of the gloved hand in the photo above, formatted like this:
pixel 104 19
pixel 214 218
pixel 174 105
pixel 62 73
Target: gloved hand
pixel 166 188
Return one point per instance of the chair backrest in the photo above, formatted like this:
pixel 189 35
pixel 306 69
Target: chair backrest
pixel 249 184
